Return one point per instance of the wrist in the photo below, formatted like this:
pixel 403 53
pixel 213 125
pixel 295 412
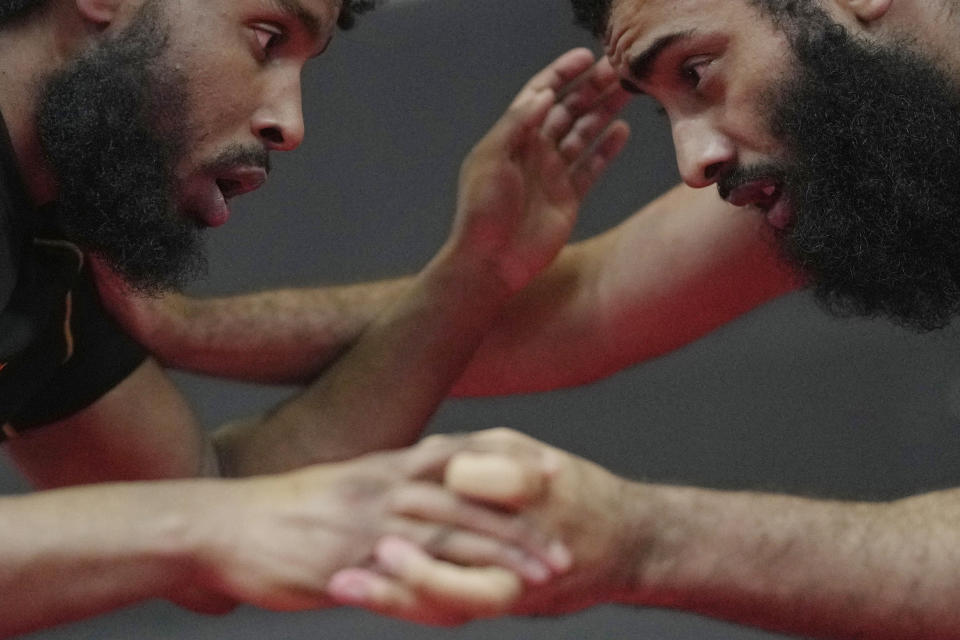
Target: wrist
pixel 653 541
pixel 474 278
pixel 188 531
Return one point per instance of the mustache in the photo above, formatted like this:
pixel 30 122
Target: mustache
pixel 238 155
pixel 742 176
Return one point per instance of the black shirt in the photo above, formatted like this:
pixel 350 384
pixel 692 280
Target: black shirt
pixel 59 351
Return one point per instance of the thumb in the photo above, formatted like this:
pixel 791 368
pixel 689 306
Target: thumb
pixel 495 478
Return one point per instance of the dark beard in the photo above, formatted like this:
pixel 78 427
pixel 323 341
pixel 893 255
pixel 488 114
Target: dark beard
pixel 111 126
pixel 873 133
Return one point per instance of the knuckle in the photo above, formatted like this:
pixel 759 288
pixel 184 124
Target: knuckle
pixel 520 529
pixel 400 501
pixel 501 433
pixel 362 489
pixel 435 440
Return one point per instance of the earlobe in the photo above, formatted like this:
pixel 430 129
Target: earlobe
pixel 99 12
pixel 868 10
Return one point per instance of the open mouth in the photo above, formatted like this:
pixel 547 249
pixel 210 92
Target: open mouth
pixel 762 194
pixel 240 180
pixel 765 195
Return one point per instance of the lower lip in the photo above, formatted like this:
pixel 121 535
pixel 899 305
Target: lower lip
pixel 216 211
pixel 780 214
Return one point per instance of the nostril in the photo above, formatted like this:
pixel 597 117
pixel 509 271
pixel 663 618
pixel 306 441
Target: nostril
pixel 712 171
pixel 272 135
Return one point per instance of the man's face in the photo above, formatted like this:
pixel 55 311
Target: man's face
pixel 152 131
pixel 848 148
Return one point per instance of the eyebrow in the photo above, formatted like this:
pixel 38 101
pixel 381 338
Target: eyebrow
pixel 641 67
pixel 310 22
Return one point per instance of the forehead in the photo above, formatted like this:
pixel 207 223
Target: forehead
pixel 636 24
pixel 319 16
pixel 323 12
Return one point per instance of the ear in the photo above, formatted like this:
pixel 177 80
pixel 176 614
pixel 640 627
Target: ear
pixel 867 10
pixel 99 12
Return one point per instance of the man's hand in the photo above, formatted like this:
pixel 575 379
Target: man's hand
pixel 522 184
pixel 571 498
pixel 276 541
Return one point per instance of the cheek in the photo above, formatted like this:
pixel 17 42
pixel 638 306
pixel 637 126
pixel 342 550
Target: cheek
pixel 746 119
pixel 223 98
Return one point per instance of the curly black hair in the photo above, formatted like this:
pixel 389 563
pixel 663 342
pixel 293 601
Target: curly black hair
pixel 11 10
pixel 594 14
pixel 351 9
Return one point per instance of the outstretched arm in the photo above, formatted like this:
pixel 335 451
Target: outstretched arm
pixel 280 336
pixel 674 271
pixel 273 541
pixel 826 569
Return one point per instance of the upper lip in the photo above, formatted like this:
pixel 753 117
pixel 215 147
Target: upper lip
pixel 762 194
pixel 240 180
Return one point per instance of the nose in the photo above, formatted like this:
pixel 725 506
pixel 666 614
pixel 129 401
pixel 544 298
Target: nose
pixel 278 121
pixel 703 152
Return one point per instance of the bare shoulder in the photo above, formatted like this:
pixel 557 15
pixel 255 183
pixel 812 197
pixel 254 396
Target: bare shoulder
pixel 142 429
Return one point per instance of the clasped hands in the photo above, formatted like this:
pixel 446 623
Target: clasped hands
pixel 559 512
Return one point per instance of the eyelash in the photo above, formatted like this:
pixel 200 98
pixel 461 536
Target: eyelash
pixel 275 35
pixel 690 74
pixel 691 71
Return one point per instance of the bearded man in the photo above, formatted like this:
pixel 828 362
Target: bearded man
pixel 829 129
pixel 128 125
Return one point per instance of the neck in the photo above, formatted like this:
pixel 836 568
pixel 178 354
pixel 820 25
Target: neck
pixel 29 52
pixel 934 25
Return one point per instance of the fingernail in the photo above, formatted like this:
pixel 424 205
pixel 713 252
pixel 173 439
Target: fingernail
pixel 559 556
pixel 535 571
pixel 393 553
pixel 348 587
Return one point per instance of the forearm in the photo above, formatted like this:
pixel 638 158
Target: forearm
pixel 381 392
pixel 816 568
pixel 69 554
pixel 285 336
pixel 682 266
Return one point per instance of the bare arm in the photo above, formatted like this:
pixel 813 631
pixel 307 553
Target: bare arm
pixel 675 270
pixel 208 544
pixel 826 569
pixel 281 336
pixel 816 568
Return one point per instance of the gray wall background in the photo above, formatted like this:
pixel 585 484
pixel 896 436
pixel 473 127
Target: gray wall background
pixel 784 399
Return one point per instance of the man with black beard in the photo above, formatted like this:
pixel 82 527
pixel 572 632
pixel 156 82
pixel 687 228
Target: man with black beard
pixel 831 129
pixel 127 125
